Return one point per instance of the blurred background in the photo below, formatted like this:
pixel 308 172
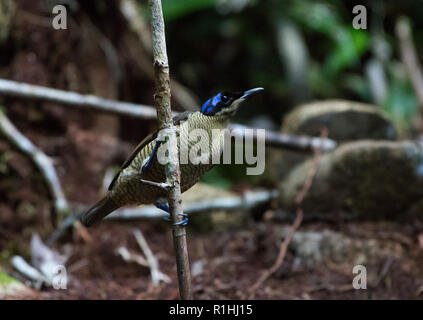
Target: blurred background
pixel 364 206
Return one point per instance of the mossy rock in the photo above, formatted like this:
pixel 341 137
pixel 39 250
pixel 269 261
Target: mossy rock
pixel 312 248
pixel 345 120
pixel 368 179
pixel 216 220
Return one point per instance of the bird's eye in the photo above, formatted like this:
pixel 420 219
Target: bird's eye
pixel 224 98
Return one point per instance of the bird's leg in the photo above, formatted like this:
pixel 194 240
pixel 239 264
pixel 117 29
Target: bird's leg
pixel 162 205
pixel 150 159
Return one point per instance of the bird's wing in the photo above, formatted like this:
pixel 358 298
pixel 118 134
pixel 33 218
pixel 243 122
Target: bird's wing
pixel 131 157
pixel 176 121
pixel 181 117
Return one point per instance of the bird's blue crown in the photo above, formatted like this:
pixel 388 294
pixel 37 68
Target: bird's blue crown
pixel 224 100
pixel 220 101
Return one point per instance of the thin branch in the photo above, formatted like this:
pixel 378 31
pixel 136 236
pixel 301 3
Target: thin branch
pixel 29 91
pixel 167 129
pixel 139 111
pixel 43 163
pixel 156 275
pixel 281 255
pixel 297 222
pixel 290 142
pixel 409 57
pixel 131 257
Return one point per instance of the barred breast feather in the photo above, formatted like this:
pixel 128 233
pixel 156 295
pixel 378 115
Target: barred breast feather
pixel 127 187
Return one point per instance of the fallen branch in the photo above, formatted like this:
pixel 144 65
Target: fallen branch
pixel 43 163
pixel 131 257
pixel 140 111
pixel 248 200
pixel 29 272
pixel 297 222
pixel 156 275
pixel 29 91
pixel 168 130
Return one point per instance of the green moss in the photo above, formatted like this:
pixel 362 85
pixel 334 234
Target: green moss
pixel 5 279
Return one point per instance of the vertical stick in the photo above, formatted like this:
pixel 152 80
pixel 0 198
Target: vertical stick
pixel 167 129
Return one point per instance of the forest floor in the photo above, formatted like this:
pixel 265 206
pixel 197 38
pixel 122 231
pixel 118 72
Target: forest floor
pixel 225 266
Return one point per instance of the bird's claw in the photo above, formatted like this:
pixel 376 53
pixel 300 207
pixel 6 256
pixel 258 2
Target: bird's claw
pixel 183 222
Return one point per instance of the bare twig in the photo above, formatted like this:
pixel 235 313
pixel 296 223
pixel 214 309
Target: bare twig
pixel 131 257
pixel 43 163
pixel 156 275
pixel 29 271
pixel 161 185
pixel 167 129
pixel 297 222
pixel 82 232
pixel 281 255
pixel 409 57
pixel 383 273
pixel 28 91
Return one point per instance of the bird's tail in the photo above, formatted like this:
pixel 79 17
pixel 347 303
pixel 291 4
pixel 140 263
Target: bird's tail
pixel 98 211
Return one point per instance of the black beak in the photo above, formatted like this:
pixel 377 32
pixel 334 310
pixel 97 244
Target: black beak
pixel 251 92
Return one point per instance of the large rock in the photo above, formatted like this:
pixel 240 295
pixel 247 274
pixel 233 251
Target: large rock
pixel 345 121
pixel 312 248
pixel 369 179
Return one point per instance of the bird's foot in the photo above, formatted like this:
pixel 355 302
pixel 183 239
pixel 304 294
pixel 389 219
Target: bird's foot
pixel 162 205
pixel 184 220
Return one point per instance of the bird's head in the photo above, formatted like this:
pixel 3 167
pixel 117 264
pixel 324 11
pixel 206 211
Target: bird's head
pixel 226 103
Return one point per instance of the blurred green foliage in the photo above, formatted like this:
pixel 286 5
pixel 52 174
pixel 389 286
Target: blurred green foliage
pixel 174 9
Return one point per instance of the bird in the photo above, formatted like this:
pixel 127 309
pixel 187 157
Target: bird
pixel 128 186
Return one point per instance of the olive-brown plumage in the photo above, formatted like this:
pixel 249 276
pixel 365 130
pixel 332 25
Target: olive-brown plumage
pixel 127 187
